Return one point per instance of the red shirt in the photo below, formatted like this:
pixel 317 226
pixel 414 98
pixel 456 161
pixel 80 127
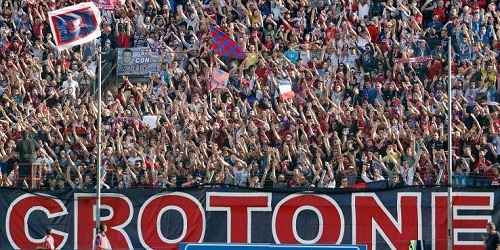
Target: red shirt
pixel 353 7
pixel 261 74
pixel 330 33
pixel 269 45
pixel 64 62
pixel 481 166
pixel 372 29
pixel 123 41
pixel 38 30
pixel 435 69
pixel 480 4
pixel 495 181
pixel 441 13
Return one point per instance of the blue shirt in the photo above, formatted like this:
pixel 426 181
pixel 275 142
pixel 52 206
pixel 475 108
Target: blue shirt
pixel 435 25
pixel 292 55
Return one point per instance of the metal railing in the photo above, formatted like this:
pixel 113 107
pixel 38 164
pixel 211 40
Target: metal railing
pixel 33 180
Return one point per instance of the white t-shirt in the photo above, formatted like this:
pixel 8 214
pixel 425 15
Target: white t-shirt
pixel 132 160
pixel 92 67
pixel 240 176
pixel 48 160
pixel 363 10
pixel 407 174
pixel 361 42
pixel 330 184
pixel 276 12
pixel 334 58
pixel 70 84
pixel 126 180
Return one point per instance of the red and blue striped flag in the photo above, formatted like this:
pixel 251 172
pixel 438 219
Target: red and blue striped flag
pixel 75 25
pixel 223 45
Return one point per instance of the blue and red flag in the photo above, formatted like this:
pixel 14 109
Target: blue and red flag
pixel 75 25
pixel 220 78
pixel 223 45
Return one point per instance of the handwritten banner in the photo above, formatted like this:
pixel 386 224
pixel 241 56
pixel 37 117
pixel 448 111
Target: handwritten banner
pixel 137 61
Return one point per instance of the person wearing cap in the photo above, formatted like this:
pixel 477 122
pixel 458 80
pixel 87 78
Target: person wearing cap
pixel 107 35
pixel 108 54
pixel 48 241
pixel 406 170
pixel 239 170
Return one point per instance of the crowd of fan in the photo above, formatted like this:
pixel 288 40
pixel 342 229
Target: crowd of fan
pixel 359 115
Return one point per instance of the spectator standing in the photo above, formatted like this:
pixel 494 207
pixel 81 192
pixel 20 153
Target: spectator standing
pixel 491 240
pixel 48 241
pixel 101 241
pixel 27 149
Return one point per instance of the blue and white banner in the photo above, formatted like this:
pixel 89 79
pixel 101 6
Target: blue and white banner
pixel 137 62
pixel 75 25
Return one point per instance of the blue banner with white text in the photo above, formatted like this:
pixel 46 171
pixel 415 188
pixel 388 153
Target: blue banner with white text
pixel 159 219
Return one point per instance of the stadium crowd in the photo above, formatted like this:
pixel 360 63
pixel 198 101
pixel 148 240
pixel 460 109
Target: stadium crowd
pixel 369 77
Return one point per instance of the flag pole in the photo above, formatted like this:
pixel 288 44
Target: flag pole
pixel 450 154
pixel 210 95
pixel 99 143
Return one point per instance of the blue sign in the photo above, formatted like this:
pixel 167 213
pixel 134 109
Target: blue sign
pixel 227 246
